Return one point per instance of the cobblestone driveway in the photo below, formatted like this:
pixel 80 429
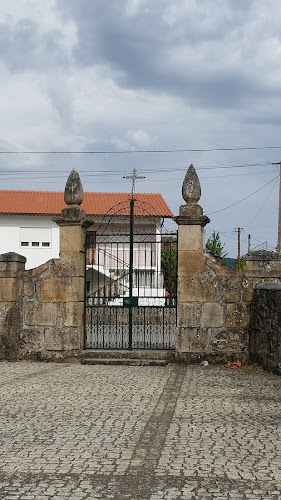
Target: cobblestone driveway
pixel 99 432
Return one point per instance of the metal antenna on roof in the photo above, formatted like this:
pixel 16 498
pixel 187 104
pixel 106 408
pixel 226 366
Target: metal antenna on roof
pixel 134 177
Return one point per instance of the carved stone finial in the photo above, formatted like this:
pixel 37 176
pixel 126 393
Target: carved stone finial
pixel 191 189
pixel 73 193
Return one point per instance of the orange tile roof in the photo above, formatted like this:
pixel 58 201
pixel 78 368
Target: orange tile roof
pixel 51 203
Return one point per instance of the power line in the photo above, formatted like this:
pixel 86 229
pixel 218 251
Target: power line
pixel 246 197
pixel 43 177
pixel 188 150
pixel 236 175
pixel 261 208
pixel 226 235
pixel 146 171
pixel 98 173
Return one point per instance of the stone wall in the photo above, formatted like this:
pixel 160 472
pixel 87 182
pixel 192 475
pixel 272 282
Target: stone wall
pixel 214 308
pixel 214 303
pixel 265 336
pixel 42 309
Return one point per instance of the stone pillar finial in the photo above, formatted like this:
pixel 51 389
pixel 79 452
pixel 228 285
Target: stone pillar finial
pixel 73 197
pixel 191 189
pixel 191 213
pixel 73 193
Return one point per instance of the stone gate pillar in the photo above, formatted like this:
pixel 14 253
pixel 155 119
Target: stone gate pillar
pixel 71 263
pixel 12 265
pixel 191 261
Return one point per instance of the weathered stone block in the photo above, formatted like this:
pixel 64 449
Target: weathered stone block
pixel 31 339
pixel 190 263
pixel 9 336
pixel 72 239
pixel 213 315
pixel 10 289
pixel 192 340
pixel 74 314
pixel 198 289
pixel 248 289
pixel 40 270
pixel 238 339
pixel 232 295
pixel 70 264
pixel 28 288
pixel 190 238
pixel 40 314
pixel 62 339
pixel 11 264
pixel 60 289
pixel 10 314
pixel 189 314
pixel 218 339
pixel 238 315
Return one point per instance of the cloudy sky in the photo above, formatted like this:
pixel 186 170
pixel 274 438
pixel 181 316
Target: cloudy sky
pixel 147 75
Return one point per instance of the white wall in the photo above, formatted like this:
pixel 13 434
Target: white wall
pixel 10 237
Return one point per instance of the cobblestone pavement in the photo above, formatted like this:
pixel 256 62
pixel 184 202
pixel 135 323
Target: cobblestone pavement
pixel 151 433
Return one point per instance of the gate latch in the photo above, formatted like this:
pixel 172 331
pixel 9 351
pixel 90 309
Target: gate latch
pixel 130 301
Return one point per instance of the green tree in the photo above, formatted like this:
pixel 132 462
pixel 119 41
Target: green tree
pixel 169 268
pixel 215 246
pixel 243 264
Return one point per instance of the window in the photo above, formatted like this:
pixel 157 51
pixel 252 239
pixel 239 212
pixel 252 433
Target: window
pixel 35 237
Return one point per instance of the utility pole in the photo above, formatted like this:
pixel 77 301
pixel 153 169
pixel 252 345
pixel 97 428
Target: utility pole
pixel 238 229
pixel 279 211
pixel 249 243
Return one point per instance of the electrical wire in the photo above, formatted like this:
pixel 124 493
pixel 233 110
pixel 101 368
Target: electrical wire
pixel 226 235
pixel 261 208
pixel 133 151
pixel 243 199
pixel 144 171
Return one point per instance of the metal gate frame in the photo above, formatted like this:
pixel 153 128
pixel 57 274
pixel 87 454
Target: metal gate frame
pixel 101 311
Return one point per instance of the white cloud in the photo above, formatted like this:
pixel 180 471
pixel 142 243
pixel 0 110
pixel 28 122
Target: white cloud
pixel 140 138
pixel 133 7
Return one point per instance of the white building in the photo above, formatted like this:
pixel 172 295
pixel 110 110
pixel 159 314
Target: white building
pixel 27 222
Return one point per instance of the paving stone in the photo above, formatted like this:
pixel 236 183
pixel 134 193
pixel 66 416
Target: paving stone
pixel 138 433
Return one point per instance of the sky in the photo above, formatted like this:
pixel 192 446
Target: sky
pixel 124 78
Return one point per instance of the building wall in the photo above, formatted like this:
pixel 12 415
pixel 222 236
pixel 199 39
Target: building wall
pixel 11 235
pixel 15 228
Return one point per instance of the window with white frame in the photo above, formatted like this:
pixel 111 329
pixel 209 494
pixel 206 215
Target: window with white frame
pixel 35 237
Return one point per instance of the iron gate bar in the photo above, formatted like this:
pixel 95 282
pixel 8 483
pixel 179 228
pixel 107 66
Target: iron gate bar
pixel 125 304
pixel 131 263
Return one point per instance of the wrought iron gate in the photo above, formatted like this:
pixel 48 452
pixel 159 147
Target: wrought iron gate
pixel 130 289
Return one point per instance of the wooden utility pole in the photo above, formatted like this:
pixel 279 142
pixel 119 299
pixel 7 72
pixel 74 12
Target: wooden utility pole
pixel 279 211
pixel 238 229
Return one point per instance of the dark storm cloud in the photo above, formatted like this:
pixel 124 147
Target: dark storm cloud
pixel 24 48
pixel 157 49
